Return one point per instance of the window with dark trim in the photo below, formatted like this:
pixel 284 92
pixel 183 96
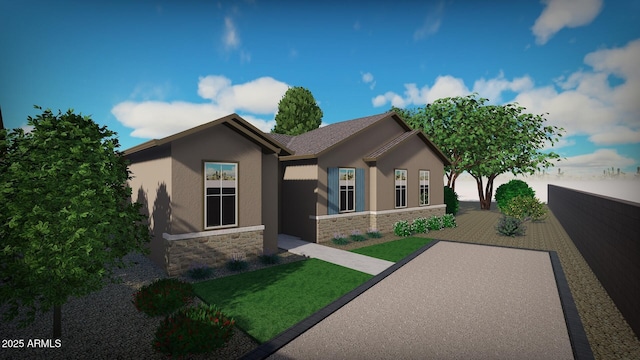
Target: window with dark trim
pixel 401 188
pixel 424 187
pixel 347 181
pixel 221 194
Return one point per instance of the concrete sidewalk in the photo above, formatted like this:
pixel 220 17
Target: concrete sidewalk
pixel 365 264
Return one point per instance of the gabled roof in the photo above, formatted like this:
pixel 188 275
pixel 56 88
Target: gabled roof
pixel 316 142
pixel 234 122
pixel 388 147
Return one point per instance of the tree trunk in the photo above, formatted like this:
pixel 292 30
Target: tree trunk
pixel 451 180
pixel 485 195
pixel 57 321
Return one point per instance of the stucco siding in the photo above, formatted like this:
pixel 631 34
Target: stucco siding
pixel 151 186
pixel 351 153
pixel 269 209
pixel 222 144
pixel 413 156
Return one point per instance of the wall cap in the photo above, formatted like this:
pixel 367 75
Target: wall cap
pixel 194 235
pixel 373 212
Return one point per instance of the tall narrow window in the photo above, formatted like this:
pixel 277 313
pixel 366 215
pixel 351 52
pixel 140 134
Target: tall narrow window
pixel 221 194
pixel 424 187
pixel 401 188
pixel 347 178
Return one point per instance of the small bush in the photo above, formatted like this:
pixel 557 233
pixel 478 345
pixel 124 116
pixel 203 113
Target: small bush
pixel 515 187
pixel 419 226
pixel 237 263
pixel 374 233
pixel 402 228
pixel 357 236
pixel 510 226
pixel 451 200
pixel 340 239
pixel 199 272
pixel 434 223
pixel 525 208
pixel 163 296
pixel 271 259
pixel 449 221
pixel 195 330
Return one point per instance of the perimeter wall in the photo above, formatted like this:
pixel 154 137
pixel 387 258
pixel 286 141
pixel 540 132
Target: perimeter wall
pixel 606 231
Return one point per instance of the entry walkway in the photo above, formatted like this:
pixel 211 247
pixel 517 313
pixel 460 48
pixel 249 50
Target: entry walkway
pixel 365 264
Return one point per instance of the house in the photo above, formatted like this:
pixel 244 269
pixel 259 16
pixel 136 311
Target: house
pixel 225 188
pixel 357 175
pixel 210 192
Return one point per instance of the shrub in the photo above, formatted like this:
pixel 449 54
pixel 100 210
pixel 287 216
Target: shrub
pixel 199 272
pixel 451 200
pixel 402 228
pixel 448 221
pixel 419 225
pixel 525 208
pixel 357 236
pixel 237 263
pixel 163 296
pixel 194 330
pixel 340 239
pixel 434 223
pixel 374 233
pixel 515 187
pixel 510 226
pixel 269 259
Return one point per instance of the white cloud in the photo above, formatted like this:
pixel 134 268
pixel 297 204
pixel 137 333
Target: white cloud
pixel 587 104
pixel 367 78
pixel 230 37
pixel 559 14
pixel 431 23
pixel 492 89
pixel 444 86
pixel 157 119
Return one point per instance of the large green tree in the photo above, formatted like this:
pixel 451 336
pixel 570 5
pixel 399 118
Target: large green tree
pixel 485 140
pixel 66 218
pixel 451 123
pixel 298 112
pixel 512 141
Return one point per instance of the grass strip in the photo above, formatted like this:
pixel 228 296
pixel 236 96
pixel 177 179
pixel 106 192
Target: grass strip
pixel 266 302
pixel 394 250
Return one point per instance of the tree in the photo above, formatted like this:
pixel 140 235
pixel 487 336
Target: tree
pixel 512 142
pixel 484 140
pixel 297 112
pixel 451 123
pixel 66 218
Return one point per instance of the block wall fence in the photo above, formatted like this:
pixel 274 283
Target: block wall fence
pixel 606 231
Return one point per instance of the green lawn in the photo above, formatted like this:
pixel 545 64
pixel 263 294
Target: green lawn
pixel 266 302
pixel 394 250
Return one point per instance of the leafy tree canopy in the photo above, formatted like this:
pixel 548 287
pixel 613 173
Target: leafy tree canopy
pixel 485 140
pixel 298 112
pixel 66 219
pixel 451 123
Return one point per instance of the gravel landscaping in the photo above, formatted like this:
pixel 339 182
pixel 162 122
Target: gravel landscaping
pixel 106 325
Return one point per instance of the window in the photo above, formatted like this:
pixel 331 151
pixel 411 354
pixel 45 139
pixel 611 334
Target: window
pixel 424 187
pixel 401 188
pixel 221 194
pixel 347 180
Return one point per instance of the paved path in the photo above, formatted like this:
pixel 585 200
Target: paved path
pixel 365 264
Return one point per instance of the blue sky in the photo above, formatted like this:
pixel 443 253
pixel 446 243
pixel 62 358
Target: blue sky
pixel 148 69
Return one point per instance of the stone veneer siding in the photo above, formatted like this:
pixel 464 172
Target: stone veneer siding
pixel 211 250
pixel 346 223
